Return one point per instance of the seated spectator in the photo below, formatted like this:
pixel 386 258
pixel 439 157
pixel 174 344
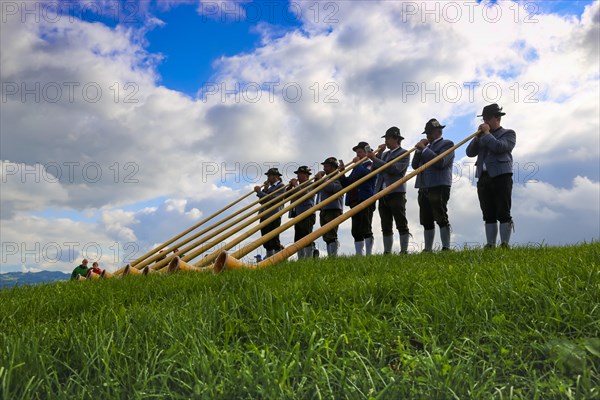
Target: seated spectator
pixel 96 269
pixel 80 270
pixel 95 272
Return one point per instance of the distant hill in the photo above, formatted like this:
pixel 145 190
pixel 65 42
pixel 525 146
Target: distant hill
pixel 30 278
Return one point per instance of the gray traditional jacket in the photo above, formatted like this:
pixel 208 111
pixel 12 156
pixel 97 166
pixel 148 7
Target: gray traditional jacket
pixel 303 206
pixel 494 152
pixel 264 193
pixel 333 187
pixel 440 173
pixel 394 172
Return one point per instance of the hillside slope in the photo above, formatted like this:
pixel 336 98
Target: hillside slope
pixel 521 323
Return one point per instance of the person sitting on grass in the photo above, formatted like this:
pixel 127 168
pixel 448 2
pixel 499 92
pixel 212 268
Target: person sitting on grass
pixel 95 272
pixel 96 269
pixel 80 270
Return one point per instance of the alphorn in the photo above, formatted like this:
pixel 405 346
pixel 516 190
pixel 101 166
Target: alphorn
pixel 320 183
pixel 225 261
pixel 160 262
pixel 153 255
pixel 174 238
pixel 171 265
pixel 193 251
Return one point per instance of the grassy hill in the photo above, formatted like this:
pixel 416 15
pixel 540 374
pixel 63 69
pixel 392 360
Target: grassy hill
pixel 521 323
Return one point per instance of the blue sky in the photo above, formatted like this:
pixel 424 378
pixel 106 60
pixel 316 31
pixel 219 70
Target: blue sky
pixel 192 156
pixel 190 42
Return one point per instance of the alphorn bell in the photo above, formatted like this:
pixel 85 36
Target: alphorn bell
pixel 106 274
pixel 178 264
pixel 129 270
pixel 229 262
pixel 224 260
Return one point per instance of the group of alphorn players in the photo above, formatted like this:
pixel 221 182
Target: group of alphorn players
pixel 492 145
pixel 377 175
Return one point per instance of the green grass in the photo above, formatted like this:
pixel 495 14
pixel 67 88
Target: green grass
pixel 522 323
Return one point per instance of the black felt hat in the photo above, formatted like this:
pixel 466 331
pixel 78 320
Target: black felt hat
pixel 303 169
pixel 493 110
pixel 360 145
pixel 393 132
pixel 273 171
pixel 433 124
pixel 331 161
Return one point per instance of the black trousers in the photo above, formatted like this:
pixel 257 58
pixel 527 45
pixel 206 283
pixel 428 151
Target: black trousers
pixel 362 223
pixel 274 243
pixel 495 197
pixel 304 228
pixel 326 216
pixel 393 208
pixel 433 204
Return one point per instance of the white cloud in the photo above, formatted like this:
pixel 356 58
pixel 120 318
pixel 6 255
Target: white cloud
pixel 118 223
pixel 176 205
pixel 111 127
pixel 24 269
pixel 584 196
pixel 54 244
pixel 29 188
